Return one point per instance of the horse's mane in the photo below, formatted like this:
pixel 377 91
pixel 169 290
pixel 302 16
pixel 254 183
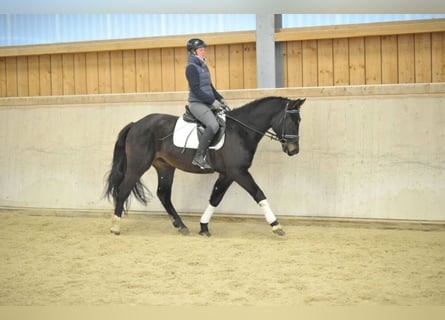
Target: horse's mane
pixel 254 103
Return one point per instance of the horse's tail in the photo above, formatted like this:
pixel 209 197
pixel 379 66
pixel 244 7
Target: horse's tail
pixel 118 169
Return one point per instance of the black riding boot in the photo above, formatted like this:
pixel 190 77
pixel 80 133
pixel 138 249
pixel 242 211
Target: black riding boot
pixel 199 159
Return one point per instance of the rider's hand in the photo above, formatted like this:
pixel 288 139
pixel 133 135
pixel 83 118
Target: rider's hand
pixel 216 105
pixel 225 105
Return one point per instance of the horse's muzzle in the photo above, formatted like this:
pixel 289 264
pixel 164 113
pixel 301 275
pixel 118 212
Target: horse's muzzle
pixel 291 148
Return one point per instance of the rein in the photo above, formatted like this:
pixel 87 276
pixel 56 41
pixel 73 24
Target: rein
pixel 273 136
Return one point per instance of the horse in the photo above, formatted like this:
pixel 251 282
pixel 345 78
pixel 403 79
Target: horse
pixel 149 143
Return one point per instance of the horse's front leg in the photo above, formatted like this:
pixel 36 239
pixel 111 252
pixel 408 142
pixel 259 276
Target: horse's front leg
pixel 219 189
pixel 164 191
pixel 246 181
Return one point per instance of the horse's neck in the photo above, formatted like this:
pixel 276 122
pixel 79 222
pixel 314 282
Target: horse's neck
pixel 257 119
pixel 260 116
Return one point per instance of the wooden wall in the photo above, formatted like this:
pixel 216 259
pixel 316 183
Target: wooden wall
pixel 391 59
pixel 380 53
pixel 145 68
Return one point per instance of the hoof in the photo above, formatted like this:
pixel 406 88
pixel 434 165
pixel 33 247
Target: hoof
pixel 116 232
pixel 204 230
pixel 184 231
pixel 278 230
pixel 205 233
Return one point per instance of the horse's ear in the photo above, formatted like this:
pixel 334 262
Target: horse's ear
pixel 298 103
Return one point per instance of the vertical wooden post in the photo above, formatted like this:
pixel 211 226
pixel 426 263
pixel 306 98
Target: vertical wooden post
pixel 269 55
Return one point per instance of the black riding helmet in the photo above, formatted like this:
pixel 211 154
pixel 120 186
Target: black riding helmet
pixel 194 44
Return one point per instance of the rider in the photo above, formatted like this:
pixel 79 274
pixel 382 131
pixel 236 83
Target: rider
pixel 203 98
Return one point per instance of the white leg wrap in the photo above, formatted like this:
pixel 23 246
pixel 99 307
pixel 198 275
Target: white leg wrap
pixel 115 225
pixel 270 217
pixel 207 215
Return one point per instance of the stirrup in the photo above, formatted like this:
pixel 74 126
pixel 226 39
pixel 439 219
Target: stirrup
pixel 200 160
pixel 203 165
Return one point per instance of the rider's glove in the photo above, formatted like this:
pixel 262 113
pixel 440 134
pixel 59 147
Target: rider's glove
pixel 216 105
pixel 225 106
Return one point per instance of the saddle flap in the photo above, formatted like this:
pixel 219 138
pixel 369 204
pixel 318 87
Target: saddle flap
pixel 186 134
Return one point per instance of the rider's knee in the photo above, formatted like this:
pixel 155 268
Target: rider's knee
pixel 214 128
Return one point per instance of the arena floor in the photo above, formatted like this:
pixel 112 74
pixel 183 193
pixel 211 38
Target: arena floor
pixel 69 259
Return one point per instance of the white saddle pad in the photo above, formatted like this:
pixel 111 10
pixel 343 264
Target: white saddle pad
pixel 185 135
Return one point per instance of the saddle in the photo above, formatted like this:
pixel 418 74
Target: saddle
pixel 189 117
pixel 188 131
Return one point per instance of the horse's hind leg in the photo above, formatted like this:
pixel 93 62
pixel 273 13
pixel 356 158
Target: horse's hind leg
pixel 135 170
pixel 125 188
pixel 165 181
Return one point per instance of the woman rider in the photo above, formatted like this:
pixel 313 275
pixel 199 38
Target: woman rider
pixel 203 98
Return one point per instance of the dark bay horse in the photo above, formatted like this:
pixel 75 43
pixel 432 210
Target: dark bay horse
pixel 148 142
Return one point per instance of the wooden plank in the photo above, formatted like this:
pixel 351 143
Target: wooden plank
pixel 117 72
pixel 341 62
pixel 129 71
pixel 285 64
pixel 68 73
pixel 155 70
pixel 34 76
pixel 168 71
pixel 45 75
pixel 356 61
pixel 236 66
pixel 142 66
pixel 210 61
pixel 438 57
pixel 104 71
pixel 406 58
pixel 222 67
pixel 422 56
pixel 325 62
pixel 390 70
pixel 181 57
pixel 294 64
pixel 2 77
pixel 11 77
pixel 56 75
pixel 249 70
pixel 22 76
pixel 310 63
pixel 373 60
pixel 92 73
pixel 80 73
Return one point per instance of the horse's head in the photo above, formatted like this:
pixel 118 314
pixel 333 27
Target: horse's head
pixel 287 127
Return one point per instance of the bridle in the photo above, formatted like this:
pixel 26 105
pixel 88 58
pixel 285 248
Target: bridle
pixel 284 138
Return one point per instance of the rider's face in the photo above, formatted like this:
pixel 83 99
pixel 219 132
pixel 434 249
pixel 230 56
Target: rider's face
pixel 200 52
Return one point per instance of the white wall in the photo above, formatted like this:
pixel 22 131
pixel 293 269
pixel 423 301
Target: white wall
pixel 368 152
